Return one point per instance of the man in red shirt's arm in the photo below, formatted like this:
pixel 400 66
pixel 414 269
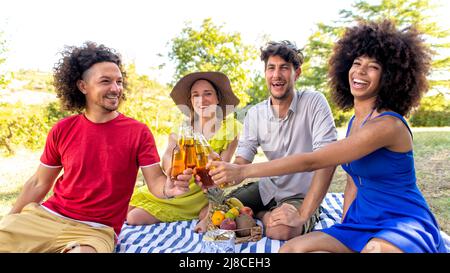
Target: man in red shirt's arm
pixel 100 151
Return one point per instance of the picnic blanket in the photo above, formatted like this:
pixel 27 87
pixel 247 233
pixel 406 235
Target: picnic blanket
pixel 179 237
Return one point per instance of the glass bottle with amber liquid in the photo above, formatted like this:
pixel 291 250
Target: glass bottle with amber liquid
pixel 204 154
pixel 179 154
pixel 202 160
pixel 189 148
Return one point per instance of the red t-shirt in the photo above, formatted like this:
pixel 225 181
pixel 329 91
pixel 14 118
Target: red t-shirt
pixel 100 162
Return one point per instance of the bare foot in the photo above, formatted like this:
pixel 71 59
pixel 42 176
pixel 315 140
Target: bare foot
pixel 201 226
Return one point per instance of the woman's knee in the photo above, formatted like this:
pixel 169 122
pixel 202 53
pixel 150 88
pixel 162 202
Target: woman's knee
pixel 295 245
pixel 137 216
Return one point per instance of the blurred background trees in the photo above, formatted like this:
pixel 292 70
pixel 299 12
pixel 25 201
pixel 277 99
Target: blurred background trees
pixel 3 49
pixel 209 47
pixel 404 13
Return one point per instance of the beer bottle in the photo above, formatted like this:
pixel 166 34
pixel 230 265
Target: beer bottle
pixel 179 154
pixel 178 162
pixel 202 159
pixel 213 156
pixel 189 147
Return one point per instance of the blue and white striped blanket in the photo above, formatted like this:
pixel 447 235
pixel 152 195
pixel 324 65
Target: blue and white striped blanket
pixel 179 237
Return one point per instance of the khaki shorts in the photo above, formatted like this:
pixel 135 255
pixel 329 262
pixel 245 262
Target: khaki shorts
pixel 249 195
pixel 37 230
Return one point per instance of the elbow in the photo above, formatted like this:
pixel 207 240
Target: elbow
pixel 310 168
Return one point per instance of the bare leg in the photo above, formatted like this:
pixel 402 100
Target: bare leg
pixel 315 241
pixel 377 245
pixel 138 216
pixel 202 225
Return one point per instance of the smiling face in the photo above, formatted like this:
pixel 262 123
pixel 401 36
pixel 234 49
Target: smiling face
pixel 364 77
pixel 204 98
pixel 280 77
pixel 102 84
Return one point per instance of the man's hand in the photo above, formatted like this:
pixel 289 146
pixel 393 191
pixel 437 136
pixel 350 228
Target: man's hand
pixel 287 215
pixel 179 186
pixel 225 173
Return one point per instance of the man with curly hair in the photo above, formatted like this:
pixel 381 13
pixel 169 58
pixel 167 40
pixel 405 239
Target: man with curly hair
pixel 100 151
pixel 288 122
pixel 380 72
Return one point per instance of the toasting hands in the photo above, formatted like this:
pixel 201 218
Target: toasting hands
pixel 224 173
pixel 178 186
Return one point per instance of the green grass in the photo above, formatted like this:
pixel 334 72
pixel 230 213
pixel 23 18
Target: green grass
pixel 431 158
pixel 431 153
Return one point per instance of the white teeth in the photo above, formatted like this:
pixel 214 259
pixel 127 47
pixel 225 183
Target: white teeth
pixel 359 81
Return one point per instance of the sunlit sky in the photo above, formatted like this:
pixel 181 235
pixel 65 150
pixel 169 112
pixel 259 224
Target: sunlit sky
pixel 36 30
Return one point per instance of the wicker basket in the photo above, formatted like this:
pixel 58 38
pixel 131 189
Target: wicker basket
pixel 255 233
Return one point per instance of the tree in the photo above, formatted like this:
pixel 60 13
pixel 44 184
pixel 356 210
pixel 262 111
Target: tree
pixel 149 102
pixel 404 13
pixel 3 49
pixel 258 92
pixel 211 49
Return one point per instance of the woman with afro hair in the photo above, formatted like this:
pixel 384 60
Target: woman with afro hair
pixel 380 72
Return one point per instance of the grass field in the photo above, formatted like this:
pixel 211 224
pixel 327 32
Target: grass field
pixel 431 151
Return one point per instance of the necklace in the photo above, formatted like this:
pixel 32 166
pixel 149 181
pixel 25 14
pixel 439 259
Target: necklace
pixel 367 118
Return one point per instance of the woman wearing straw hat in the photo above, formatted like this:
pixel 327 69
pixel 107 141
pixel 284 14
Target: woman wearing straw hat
pixel 207 99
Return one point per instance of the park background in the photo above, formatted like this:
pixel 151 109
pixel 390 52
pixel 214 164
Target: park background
pixel 161 41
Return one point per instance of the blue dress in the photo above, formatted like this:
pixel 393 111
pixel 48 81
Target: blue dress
pixel 388 204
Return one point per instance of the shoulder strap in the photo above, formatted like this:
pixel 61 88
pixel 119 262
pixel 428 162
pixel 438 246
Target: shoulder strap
pixel 397 115
pixel 349 125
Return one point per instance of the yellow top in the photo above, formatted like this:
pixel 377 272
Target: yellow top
pixel 188 205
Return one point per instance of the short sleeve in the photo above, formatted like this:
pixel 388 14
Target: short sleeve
pixel 51 156
pixel 147 152
pixel 323 127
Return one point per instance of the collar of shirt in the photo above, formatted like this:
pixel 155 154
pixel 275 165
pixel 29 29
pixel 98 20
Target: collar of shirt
pixel 291 110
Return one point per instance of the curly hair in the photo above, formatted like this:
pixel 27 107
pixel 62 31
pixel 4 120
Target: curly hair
pixel 285 49
pixel 70 68
pixel 404 58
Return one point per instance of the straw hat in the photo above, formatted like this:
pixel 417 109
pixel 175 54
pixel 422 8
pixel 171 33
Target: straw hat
pixel 181 92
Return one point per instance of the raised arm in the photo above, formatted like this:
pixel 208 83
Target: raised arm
pixel 161 185
pixel 36 187
pixel 383 132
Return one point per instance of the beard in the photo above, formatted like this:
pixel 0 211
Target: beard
pixel 112 107
pixel 283 96
pixel 280 97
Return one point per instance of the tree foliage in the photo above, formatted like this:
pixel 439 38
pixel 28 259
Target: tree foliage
pixel 149 102
pixel 209 48
pixel 3 49
pixel 34 80
pixel 28 125
pixel 433 111
pixel 404 13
